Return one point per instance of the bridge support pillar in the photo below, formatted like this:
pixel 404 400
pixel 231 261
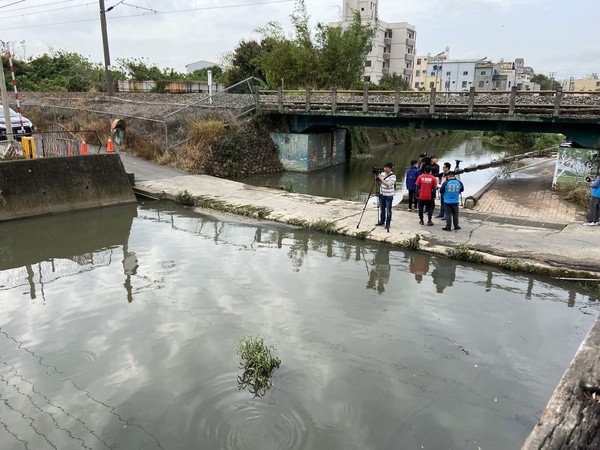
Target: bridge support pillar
pixel 307 152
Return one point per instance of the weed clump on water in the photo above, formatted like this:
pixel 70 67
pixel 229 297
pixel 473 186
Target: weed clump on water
pixel 411 243
pixel 464 253
pixel 258 364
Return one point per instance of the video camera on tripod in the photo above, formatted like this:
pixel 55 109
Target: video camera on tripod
pixel 425 160
pixel 376 170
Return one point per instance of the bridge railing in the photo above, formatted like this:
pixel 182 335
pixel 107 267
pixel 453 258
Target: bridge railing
pixel 541 103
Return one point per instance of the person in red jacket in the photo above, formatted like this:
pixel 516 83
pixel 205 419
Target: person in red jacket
pixel 426 186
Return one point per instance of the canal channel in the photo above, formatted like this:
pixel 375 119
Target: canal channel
pixel 119 326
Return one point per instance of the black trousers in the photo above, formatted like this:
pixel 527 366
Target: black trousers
pixel 428 206
pixel 451 214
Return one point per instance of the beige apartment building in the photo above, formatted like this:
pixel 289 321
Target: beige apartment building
pixel 394 45
pixel 589 83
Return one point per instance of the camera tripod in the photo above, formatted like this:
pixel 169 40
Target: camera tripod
pixel 367 202
pixel 456 169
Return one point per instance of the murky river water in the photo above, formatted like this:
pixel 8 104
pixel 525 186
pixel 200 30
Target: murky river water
pixel 118 329
pixel 354 181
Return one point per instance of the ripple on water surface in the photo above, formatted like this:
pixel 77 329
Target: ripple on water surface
pixel 225 417
pixel 70 364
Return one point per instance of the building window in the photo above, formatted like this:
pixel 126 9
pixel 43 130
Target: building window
pixel 418 61
pixel 448 73
pixel 597 83
pixel 464 84
pixel 416 85
pixel 481 84
pixel 431 84
pixel 408 65
pixel 368 79
pixel 482 72
pixel 367 63
pixel 411 35
pixel 433 73
pixel 418 73
pixel 466 72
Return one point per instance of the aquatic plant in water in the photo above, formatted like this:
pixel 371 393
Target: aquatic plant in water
pixel 258 363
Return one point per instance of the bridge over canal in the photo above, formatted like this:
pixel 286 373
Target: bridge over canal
pixel 574 114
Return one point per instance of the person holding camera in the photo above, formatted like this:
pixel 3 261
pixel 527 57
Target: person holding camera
pixel 594 210
pixel 387 186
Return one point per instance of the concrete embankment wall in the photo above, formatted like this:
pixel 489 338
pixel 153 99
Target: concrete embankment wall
pixel 34 187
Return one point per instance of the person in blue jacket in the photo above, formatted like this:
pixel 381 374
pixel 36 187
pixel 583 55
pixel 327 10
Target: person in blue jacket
pixel 594 210
pixel 451 190
pixel 411 177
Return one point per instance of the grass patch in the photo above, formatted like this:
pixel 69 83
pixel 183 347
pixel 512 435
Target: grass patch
pixel 185 198
pixel 298 222
pixel 258 363
pixel 323 226
pixel 2 199
pixel 288 187
pixel 362 235
pixel 412 243
pixel 257 212
pixel 511 264
pixel 464 253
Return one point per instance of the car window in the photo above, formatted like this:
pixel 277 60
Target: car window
pixel 13 113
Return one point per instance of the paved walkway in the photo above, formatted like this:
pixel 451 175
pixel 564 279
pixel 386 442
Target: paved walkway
pixel 528 194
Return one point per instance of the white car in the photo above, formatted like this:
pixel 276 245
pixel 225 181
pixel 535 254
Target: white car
pixel 18 132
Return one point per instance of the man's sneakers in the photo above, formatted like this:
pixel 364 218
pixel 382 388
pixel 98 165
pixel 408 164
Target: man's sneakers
pixel 590 224
pixel 429 223
pixel 447 229
pixel 457 228
pixel 421 222
pixel 378 224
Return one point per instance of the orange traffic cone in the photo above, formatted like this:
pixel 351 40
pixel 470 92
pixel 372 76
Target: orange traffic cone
pixel 109 145
pixel 84 150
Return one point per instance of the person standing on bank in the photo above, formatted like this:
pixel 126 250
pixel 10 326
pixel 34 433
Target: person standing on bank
pixel 387 181
pixel 594 210
pixel 426 186
pixel 411 178
pixel 451 190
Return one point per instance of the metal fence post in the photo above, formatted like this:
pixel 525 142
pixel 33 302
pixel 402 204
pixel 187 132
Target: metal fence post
pixel 308 95
pixel 471 100
pixel 365 105
pixel 397 101
pixel 513 98
pixel 432 101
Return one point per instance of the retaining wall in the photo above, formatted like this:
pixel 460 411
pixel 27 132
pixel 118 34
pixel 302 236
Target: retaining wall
pixel 33 187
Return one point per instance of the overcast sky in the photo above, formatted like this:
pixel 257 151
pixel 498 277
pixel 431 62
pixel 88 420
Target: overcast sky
pixel 557 37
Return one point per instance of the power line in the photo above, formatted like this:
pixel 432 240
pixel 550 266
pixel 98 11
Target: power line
pixel 24 14
pixel 38 6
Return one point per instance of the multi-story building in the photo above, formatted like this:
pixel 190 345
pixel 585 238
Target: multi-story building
pixel 589 83
pixel 422 80
pixel 451 74
pixel 394 44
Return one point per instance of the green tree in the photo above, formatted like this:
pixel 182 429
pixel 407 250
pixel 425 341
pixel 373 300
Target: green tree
pixel 202 74
pixel 244 62
pixel 334 57
pixel 393 82
pixel 546 84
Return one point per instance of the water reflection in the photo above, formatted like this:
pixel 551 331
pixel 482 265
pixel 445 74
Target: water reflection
pixel 353 180
pixel 380 347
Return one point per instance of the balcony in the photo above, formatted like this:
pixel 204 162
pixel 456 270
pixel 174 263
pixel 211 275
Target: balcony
pixel 385 71
pixel 387 41
pixel 386 56
pixel 409 57
pixel 407 72
pixel 410 42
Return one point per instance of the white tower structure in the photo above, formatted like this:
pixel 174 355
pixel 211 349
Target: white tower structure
pixel 394 44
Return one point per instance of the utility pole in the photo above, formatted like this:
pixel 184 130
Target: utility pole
pixel 5 107
pixel 107 69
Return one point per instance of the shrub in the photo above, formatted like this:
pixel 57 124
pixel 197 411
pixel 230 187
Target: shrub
pixel 411 243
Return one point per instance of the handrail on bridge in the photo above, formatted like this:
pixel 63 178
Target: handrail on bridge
pixel 533 103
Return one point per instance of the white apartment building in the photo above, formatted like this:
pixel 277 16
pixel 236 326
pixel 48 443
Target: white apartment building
pixel 394 44
pixel 451 74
